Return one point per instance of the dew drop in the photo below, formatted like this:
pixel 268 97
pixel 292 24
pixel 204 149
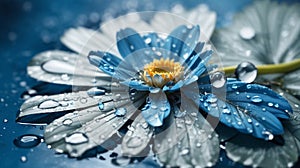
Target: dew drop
pixel 27 141
pixel 247 33
pixel 270 104
pixel 256 99
pixel 48 104
pixel 65 77
pixel 226 111
pixel 218 79
pixel 23 159
pixel 76 138
pixel 83 100
pixel 134 142
pixel 120 112
pixel 101 106
pixel 131 47
pixel 148 40
pixel 185 151
pixel 246 72
pixel 58 67
pixel 95 92
pixel 234 86
pixel 67 122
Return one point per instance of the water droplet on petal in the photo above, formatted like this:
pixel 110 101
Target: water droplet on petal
pixel 76 138
pixel 120 112
pixel 185 151
pixel 246 72
pixel 256 99
pixel 218 79
pixel 95 92
pixel 67 122
pixel 101 106
pixel 270 104
pixel 27 141
pixel 48 104
pixel 134 142
pixel 247 33
pixel 121 161
pixel 58 67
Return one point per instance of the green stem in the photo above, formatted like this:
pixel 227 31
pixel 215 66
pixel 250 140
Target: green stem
pixel 271 68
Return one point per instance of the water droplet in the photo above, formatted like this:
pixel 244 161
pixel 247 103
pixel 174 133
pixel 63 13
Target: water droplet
pixel 234 86
pixel 276 105
pixel 226 111
pixel 249 120
pixel 131 47
pixel 270 104
pixel 256 99
pixel 48 104
pixel 65 77
pixel 290 164
pixel 67 122
pixel 173 45
pixel 134 142
pixel 185 151
pixel 23 159
pixel 148 40
pixel 246 72
pixel 120 112
pixel 269 135
pixel 59 67
pixel 5 120
pixel 27 141
pixel 76 138
pixel 121 161
pixel 101 106
pixel 218 79
pixel 247 33
pixel 83 100
pixel 95 91
pixel 212 99
pixel 163 109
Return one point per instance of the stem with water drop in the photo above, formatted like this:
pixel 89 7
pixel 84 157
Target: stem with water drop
pixel 270 68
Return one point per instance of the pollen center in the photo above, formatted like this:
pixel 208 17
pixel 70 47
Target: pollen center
pixel 160 72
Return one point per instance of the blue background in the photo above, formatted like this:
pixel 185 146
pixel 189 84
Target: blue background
pixel 33 26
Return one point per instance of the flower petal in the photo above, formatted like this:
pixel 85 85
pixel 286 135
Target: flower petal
pixel 129 41
pixel 259 153
pixel 44 109
pixel 83 40
pixel 157 108
pixel 137 137
pixel 189 141
pixel 62 67
pixel 183 40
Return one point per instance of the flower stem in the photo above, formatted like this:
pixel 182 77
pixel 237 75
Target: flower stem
pixel 270 68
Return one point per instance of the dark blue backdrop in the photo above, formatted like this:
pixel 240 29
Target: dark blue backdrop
pixel 29 27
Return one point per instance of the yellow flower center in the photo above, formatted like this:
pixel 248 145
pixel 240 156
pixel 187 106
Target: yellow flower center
pixel 159 72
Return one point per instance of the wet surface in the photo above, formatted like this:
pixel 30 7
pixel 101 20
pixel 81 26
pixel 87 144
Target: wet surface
pixel 30 27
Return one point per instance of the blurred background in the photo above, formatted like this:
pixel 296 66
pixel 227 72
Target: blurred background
pixel 32 26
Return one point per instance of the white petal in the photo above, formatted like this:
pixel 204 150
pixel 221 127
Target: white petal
pixel 65 68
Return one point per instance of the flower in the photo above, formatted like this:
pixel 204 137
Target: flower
pixel 269 37
pixel 165 85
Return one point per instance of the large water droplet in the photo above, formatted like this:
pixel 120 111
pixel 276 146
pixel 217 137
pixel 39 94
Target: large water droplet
pixel 59 67
pixel 76 138
pixel 120 112
pixel 95 92
pixel 48 104
pixel 247 33
pixel 27 141
pixel 134 142
pixel 246 72
pixel 218 79
pixel 256 99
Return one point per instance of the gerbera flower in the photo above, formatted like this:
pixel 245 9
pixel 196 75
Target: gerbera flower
pixel 164 84
pixel 266 34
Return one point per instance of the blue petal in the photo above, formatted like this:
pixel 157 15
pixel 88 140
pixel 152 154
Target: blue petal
pixel 236 115
pixel 129 41
pixel 157 108
pixel 105 61
pixel 183 40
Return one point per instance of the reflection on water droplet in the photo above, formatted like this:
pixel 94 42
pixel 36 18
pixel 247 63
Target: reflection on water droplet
pixel 134 142
pixel 27 141
pixel 256 99
pixel 67 122
pixel 246 72
pixel 23 159
pixel 76 138
pixel 48 104
pixel 247 33
pixel 120 112
pixel 218 79
pixel 101 106
pixel 59 67
pixel 184 152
